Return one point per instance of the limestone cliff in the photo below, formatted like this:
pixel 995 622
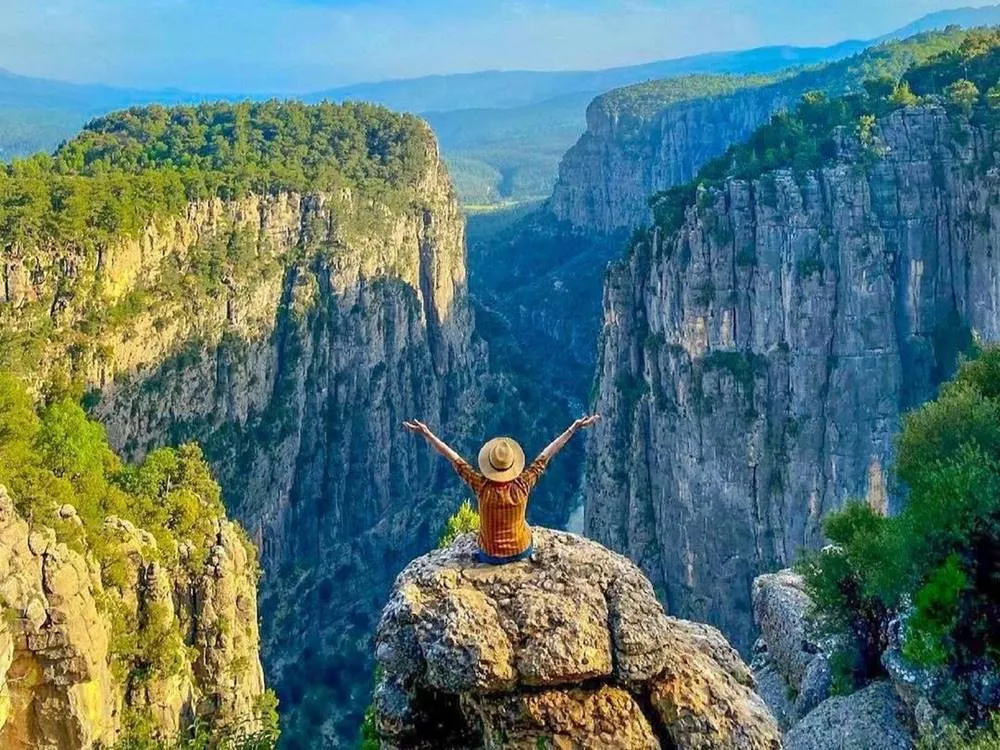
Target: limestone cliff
pixel 755 362
pixel 606 179
pixel 60 686
pixel 290 334
pixel 569 649
pixel 635 147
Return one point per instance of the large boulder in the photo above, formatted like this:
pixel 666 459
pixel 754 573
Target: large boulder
pixel 569 649
pixel 870 719
pixel 792 670
pixel 779 607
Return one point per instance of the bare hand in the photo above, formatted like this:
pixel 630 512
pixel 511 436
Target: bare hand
pixel 417 427
pixel 585 422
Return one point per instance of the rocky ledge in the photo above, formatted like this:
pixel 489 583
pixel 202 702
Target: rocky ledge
pixel 569 649
pixel 793 674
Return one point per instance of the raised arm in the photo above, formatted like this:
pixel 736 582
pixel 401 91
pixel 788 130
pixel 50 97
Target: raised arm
pixel 560 442
pixel 419 428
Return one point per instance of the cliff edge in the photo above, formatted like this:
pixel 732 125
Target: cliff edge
pixel 569 649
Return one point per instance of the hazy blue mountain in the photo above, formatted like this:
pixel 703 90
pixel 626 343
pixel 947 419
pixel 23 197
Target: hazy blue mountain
pixel 506 89
pixel 968 17
pixel 503 133
pixel 36 114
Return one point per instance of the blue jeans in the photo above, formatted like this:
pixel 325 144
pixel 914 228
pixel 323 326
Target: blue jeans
pixel 490 560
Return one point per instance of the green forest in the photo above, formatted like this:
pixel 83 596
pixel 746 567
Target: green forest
pixel 936 563
pixel 128 167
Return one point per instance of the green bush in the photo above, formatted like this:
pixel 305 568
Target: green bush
pixel 260 733
pixel 843 604
pixel 935 563
pixel 962 738
pixel 369 735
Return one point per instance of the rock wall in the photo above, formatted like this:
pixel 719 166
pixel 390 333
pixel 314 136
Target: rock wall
pixel 755 362
pixel 295 375
pixel 58 684
pixel 641 140
pixel 606 179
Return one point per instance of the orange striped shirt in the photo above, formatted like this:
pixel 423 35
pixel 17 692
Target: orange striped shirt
pixel 503 530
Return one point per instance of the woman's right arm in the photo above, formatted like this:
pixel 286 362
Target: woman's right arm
pixel 469 475
pixel 419 428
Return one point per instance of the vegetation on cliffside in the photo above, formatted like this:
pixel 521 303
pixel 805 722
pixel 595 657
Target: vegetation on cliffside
pixel 58 465
pixel 63 218
pixel 935 564
pixel 960 69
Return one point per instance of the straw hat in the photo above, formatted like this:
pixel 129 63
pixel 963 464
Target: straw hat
pixel 501 460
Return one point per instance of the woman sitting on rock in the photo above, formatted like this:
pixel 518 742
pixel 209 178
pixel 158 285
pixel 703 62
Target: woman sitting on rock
pixel 501 489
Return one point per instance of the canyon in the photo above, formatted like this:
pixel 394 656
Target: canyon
pixel 754 357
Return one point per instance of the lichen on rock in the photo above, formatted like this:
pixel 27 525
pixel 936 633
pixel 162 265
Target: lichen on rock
pixel 568 649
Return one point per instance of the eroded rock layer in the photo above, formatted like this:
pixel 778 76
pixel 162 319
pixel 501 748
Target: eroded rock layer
pixel 59 685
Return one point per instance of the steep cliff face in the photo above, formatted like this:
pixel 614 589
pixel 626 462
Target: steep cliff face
pixel 606 179
pixel 290 335
pixel 60 685
pixel 755 362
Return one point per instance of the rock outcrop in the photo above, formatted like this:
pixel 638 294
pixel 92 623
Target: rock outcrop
pixel 756 361
pixel 870 719
pixel 791 669
pixel 59 685
pixel 569 649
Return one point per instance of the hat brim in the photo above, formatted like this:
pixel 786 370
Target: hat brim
pixel 501 476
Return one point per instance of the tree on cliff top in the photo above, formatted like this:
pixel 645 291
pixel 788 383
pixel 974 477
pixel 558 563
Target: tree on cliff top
pixel 129 167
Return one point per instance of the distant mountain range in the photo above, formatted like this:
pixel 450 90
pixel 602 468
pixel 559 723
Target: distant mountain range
pixel 506 89
pixel 503 132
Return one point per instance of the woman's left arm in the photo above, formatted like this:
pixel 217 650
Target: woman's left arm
pixel 560 442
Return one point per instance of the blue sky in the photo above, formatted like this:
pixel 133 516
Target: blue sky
pixel 302 45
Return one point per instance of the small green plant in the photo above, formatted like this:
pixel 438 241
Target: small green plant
pixel 962 94
pixel 957 737
pixel 465 520
pixel 903 96
pixel 369 734
pixel 810 267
